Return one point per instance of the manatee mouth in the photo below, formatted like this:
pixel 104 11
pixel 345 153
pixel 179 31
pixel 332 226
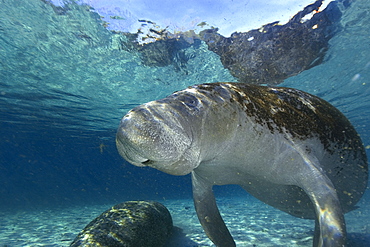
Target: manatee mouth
pixel 129 152
pixel 148 162
pixel 133 153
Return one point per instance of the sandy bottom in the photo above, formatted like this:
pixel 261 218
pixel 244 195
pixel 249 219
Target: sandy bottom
pixel 251 223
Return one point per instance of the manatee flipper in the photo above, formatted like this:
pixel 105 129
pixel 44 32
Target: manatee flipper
pixel 329 222
pixel 208 214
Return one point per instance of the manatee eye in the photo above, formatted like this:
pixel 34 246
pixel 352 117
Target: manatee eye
pixel 190 101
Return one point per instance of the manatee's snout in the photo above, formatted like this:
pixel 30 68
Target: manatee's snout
pixel 151 136
pixel 129 142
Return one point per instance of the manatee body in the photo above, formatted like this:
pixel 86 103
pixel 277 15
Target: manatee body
pixel 291 150
pixel 129 224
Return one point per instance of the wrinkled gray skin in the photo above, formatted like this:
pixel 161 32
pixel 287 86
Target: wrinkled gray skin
pixel 287 148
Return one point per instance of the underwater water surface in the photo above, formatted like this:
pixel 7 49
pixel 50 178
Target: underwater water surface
pixel 66 81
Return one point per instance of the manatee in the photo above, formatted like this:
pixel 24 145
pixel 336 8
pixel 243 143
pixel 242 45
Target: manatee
pixel 290 149
pixel 128 224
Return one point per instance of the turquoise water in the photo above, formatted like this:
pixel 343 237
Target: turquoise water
pixel 65 82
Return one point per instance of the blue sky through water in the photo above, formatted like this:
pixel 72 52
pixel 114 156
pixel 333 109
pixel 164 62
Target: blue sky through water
pixel 228 15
